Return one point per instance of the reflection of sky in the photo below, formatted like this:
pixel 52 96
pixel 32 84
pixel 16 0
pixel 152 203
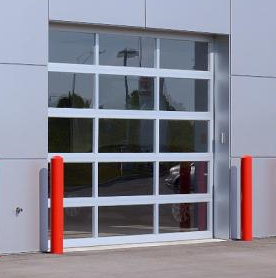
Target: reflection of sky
pixel 71 47
pixel 177 54
pixel 76 47
pixel 180 93
pixel 111 45
pixel 113 92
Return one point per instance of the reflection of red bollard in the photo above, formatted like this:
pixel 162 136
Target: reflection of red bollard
pixel 246 198
pixel 57 186
pixel 184 188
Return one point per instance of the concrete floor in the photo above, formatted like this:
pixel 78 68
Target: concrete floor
pixel 220 259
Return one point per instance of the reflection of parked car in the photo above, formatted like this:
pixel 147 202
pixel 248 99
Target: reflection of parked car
pixel 172 181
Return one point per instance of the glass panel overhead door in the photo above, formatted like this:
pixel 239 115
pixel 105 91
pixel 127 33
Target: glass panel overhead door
pixel 132 116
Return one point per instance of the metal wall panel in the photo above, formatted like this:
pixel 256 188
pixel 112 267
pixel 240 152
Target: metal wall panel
pixel 253 26
pixel 253 116
pixel 23 106
pixel 212 16
pixel 24 31
pixel 264 197
pixel 221 158
pixel 119 12
pixel 19 187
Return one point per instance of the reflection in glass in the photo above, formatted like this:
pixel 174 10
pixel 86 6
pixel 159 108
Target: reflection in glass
pixel 185 217
pixel 183 177
pixel 186 55
pixel 183 136
pixel 70 90
pixel 126 92
pixel 125 136
pixel 77 180
pixel 125 179
pixel 183 94
pixel 125 220
pixel 68 135
pixel 77 222
pixel 122 50
pixel 71 47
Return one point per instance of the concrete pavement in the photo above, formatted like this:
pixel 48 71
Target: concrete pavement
pixel 219 259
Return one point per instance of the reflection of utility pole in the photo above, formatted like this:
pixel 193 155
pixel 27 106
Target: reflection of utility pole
pixel 90 53
pixel 74 124
pixel 127 53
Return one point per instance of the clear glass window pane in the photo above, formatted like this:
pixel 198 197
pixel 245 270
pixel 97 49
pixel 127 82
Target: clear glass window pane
pixel 185 55
pixel 125 179
pixel 125 220
pixel 70 135
pixel 71 47
pixel 183 94
pixel 126 92
pixel 185 217
pixel 77 222
pixel 183 177
pixel 122 50
pixel 77 180
pixel 125 136
pixel 70 90
pixel 183 136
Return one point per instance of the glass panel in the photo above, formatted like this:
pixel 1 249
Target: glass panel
pixel 122 50
pixel 183 177
pixel 70 90
pixel 186 217
pixel 123 136
pixel 77 222
pixel 71 47
pixel 125 220
pixel 126 92
pixel 183 94
pixel 183 136
pixel 70 135
pixel 125 179
pixel 186 55
pixel 77 180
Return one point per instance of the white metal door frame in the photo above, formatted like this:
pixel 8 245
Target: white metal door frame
pixel 94 202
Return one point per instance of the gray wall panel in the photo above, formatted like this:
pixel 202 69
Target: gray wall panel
pixel 119 12
pixel 253 40
pixel 24 31
pixel 23 106
pixel 19 187
pixel 212 16
pixel 264 197
pixel 253 116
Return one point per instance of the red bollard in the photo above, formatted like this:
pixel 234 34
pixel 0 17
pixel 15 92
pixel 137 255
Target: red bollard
pixel 246 198
pixel 57 188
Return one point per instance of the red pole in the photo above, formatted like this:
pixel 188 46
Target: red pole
pixel 57 185
pixel 246 198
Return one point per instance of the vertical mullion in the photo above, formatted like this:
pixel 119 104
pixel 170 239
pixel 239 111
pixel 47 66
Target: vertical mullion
pixel 156 137
pixel 211 135
pixel 95 195
pixel 156 193
pixel 95 227
pixel 157 54
pixel 96 49
pixel 156 218
pixel 95 209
